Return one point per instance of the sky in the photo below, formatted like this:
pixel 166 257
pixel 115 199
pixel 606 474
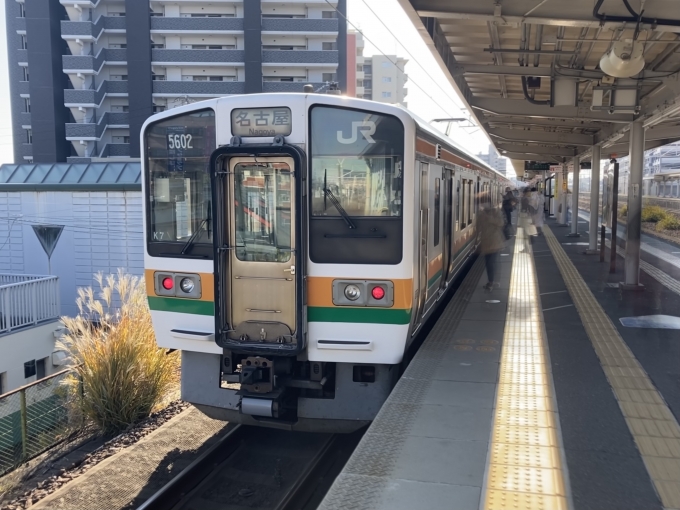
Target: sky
pixel 430 95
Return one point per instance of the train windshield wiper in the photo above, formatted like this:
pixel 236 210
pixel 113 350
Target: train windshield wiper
pixel 192 240
pixel 336 203
pixel 338 206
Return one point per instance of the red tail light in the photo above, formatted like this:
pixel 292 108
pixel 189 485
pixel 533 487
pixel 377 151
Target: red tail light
pixel 167 283
pixel 378 293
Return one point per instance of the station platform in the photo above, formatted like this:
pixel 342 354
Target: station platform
pixel 557 390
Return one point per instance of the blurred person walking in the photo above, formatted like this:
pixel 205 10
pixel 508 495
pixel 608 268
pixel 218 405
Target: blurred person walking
pixel 490 230
pixel 508 205
pixel 537 203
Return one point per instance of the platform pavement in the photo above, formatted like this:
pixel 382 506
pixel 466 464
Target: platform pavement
pixel 612 392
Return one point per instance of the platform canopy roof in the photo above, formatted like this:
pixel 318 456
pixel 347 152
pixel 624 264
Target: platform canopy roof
pixel 119 176
pixel 494 51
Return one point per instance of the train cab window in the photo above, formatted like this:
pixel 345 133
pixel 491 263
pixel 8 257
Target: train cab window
pixel 437 210
pixel 178 190
pixel 356 186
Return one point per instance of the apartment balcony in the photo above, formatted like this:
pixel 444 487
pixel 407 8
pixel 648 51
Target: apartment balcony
pixel 288 86
pixel 192 57
pixel 207 88
pixel 27 300
pixel 161 24
pixel 90 64
pixel 25 118
pixel 300 57
pixel 305 25
pixel 92 30
pixel 111 150
pixel 90 131
pixel 91 97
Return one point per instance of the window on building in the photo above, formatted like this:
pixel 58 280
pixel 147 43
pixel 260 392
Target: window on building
pixel 329 46
pixel 368 84
pixel 360 69
pixel 118 77
pixel 41 368
pixel 329 14
pixel 329 77
pixel 157 108
pixel 386 65
pixel 25 73
pixel 360 52
pixel 204 15
pixel 22 10
pixel 368 69
pixel 158 77
pixel 24 42
pixel 29 369
pixel 120 108
pixel 120 139
pixel 29 136
pixel 387 79
pixel 284 16
pixel 360 83
pixel 387 94
pixel 157 46
pixel 27 104
pixel 3 383
pixel 118 46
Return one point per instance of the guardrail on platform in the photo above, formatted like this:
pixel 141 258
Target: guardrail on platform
pixel 34 418
pixel 26 300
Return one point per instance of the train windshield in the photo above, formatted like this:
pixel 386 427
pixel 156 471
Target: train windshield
pixel 357 163
pixel 178 151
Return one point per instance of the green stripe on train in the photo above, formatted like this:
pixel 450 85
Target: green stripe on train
pixel 358 315
pixel 170 304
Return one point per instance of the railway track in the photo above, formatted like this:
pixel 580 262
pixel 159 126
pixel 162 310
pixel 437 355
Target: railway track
pixel 259 468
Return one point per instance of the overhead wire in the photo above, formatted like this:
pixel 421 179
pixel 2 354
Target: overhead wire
pixel 393 62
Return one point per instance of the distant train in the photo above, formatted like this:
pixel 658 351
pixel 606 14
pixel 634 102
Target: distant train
pixel 295 244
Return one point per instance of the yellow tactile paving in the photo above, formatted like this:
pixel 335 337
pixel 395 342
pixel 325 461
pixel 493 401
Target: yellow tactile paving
pixel 525 470
pixel 654 428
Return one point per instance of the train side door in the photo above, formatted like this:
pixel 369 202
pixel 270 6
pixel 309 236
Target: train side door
pixel 422 248
pixel 447 240
pixel 262 260
pixel 434 240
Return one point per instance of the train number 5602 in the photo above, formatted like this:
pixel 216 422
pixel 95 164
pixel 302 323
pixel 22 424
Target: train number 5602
pixel 180 141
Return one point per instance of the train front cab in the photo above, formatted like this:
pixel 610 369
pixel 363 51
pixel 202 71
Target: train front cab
pixel 312 248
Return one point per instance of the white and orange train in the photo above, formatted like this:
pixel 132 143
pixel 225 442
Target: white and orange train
pixel 295 245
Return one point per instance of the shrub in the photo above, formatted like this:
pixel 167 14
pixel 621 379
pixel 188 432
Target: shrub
pixel 670 222
pixel 113 351
pixel 623 212
pixel 653 214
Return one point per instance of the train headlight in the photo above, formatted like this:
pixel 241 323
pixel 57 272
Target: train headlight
pixel 187 285
pixel 352 292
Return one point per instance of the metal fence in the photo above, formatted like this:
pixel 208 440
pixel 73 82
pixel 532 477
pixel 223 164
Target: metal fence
pixel 27 300
pixel 36 417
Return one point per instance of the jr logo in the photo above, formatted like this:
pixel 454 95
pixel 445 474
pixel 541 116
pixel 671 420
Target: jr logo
pixel 367 128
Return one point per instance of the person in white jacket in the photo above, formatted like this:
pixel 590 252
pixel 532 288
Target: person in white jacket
pixel 537 202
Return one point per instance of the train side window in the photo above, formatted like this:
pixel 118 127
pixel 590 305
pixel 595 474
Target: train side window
pixel 457 222
pixel 437 210
pixel 463 197
pixel 470 201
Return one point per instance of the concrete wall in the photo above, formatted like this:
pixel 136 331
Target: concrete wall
pixel 25 345
pixel 102 233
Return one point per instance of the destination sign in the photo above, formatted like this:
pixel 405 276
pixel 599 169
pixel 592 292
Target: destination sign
pixel 261 121
pixel 536 165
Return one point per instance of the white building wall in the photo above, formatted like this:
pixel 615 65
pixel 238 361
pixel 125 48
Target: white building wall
pixel 102 233
pixel 388 79
pixel 25 345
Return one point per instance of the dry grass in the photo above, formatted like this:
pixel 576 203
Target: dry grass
pixel 653 213
pixel 670 222
pixel 113 351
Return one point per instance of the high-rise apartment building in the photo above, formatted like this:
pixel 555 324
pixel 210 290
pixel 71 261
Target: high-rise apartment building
pixel 379 78
pixel 86 74
pixel 494 160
